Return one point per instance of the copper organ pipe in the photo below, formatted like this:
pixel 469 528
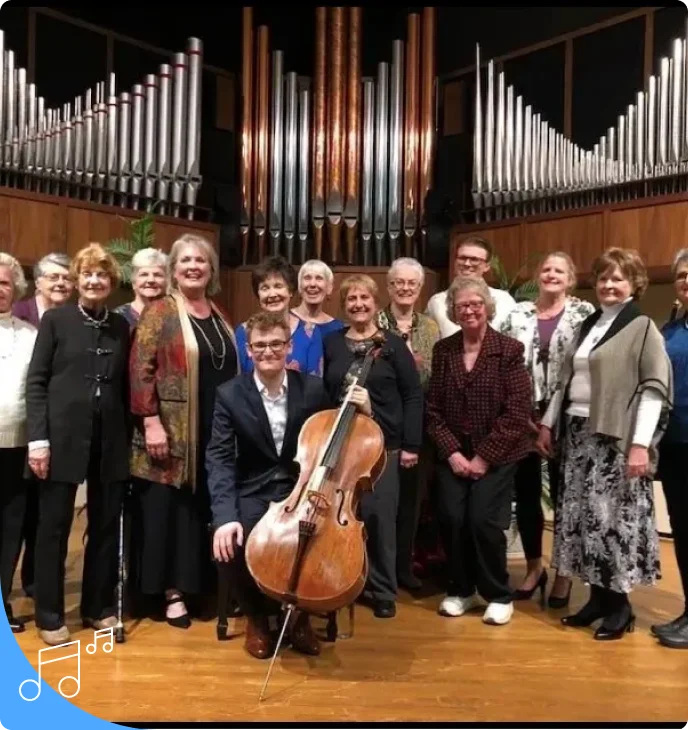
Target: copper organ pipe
pixel 353 134
pixel 261 145
pixel 336 121
pixel 411 137
pixel 427 113
pixel 319 130
pixel 357 158
pixel 247 100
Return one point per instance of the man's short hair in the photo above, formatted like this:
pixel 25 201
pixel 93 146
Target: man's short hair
pixel 266 321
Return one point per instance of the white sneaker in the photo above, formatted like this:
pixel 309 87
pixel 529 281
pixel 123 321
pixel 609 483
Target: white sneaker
pixel 498 614
pixel 455 606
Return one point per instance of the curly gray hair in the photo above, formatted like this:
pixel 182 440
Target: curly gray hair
pixel 464 283
pixel 680 259
pixel 18 278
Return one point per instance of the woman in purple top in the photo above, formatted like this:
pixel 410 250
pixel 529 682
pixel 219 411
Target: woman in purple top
pixel 546 327
pixel 148 280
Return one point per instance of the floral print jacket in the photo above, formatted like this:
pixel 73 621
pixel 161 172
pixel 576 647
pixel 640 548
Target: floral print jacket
pixel 424 334
pixel 522 324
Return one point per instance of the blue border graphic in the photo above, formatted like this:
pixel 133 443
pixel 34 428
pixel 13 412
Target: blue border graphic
pixel 50 709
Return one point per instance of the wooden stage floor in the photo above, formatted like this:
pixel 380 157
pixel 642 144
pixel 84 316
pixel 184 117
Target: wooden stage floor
pixel 418 666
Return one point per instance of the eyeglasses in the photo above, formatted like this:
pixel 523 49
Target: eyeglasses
pixel 471 260
pixel 472 306
pixel 277 346
pixel 52 278
pixel 412 284
pixel 681 276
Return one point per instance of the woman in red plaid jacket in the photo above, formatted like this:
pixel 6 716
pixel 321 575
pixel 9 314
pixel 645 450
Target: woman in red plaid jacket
pixel 479 416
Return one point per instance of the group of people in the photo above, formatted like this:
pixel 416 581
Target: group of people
pixel 474 396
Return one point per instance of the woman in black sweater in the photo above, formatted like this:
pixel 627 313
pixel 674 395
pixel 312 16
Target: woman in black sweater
pixel 393 398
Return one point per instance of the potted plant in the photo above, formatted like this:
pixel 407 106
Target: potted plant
pixel 141 235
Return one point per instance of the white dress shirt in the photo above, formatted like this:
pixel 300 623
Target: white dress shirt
pixel 275 408
pixel 437 309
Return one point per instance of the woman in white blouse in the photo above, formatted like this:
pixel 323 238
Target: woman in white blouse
pixel 16 347
pixel 610 412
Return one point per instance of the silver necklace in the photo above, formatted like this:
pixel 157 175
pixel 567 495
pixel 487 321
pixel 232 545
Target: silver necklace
pixel 213 355
pixel 95 322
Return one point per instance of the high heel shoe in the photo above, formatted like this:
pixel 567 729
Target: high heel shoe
pixel 560 601
pixel 605 634
pixel 179 622
pixel 525 595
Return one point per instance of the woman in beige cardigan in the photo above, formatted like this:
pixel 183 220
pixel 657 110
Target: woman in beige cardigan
pixel 610 410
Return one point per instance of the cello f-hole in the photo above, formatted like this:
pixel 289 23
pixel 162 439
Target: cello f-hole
pixel 289 509
pixel 341 520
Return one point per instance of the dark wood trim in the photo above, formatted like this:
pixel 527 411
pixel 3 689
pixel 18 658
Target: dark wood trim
pixel 568 87
pixel 649 45
pixel 639 12
pixel 31 48
pixel 57 15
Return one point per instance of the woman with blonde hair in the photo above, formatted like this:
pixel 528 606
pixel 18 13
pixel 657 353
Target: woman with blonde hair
pixel 547 328
pixel 393 397
pixel 17 340
pixel 77 417
pixel 183 350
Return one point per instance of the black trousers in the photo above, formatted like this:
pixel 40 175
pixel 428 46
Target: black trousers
pixel 12 509
pixel 56 513
pixel 473 516
pixel 252 601
pixel 528 488
pixel 29 535
pixel 673 473
pixel 379 514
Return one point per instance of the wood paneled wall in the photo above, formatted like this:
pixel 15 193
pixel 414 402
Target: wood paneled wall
pixel 656 227
pixel 33 224
pixel 238 298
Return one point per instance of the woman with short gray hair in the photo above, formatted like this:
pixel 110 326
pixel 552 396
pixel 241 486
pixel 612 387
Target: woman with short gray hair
pixel 315 283
pixel 16 346
pixel 54 286
pixel 148 280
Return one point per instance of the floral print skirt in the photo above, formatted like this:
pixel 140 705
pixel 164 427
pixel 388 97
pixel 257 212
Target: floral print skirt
pixel 605 531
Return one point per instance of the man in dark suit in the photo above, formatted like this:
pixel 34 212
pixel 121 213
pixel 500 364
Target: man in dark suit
pixel 250 462
pixel 54 287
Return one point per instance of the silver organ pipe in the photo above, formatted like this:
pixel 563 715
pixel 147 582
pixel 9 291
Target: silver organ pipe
pixel 137 148
pixel 523 165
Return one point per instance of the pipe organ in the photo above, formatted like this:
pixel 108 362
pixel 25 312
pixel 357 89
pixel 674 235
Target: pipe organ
pixel 522 165
pixel 338 166
pixel 138 148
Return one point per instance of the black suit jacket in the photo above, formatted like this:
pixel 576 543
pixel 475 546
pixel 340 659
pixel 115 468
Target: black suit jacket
pixel 60 390
pixel 241 458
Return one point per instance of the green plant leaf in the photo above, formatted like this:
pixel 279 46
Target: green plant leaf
pixel 141 235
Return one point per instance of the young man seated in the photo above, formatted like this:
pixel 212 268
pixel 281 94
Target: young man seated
pixel 250 461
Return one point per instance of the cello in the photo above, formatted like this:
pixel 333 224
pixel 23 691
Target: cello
pixel 308 551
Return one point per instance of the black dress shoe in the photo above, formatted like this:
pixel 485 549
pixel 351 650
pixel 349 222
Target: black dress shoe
pixel 607 633
pixel 385 609
pixel 676 638
pixel 16 625
pixel 671 627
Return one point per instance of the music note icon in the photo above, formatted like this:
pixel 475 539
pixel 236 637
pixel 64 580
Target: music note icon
pixel 42 662
pixel 107 646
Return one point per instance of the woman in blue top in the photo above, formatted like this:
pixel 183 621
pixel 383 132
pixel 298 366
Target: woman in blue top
pixel 316 282
pixel 673 451
pixel 274 284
